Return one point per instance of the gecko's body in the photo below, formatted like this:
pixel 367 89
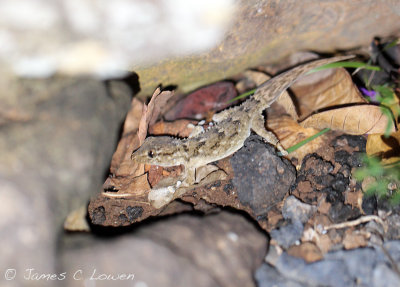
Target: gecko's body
pixel 228 134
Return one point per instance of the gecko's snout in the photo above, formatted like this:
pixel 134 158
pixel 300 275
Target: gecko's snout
pixel 134 153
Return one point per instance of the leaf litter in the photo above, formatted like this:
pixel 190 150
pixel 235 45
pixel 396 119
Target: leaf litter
pixel 325 99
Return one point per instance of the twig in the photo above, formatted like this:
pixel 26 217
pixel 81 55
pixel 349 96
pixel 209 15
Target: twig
pixel 356 222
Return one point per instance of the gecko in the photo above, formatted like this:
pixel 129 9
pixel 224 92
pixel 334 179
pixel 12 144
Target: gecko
pixel 231 128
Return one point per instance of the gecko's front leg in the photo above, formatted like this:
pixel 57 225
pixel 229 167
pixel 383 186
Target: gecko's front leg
pixel 166 191
pixel 258 126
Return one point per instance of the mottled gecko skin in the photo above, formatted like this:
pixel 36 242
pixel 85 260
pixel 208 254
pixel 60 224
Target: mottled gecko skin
pixel 232 127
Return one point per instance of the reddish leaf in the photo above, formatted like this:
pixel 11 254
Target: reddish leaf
pixel 197 104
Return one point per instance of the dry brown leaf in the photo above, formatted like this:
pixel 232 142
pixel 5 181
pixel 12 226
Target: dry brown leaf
pixel 355 120
pixel 76 220
pixel 128 176
pixel 121 164
pixel 136 124
pixel 324 243
pixel 151 112
pixel 326 88
pixel 353 239
pixel 256 77
pixel 290 133
pixel 354 198
pixel 180 128
pixel 128 185
pixel 307 250
pixel 386 148
pixel 251 80
pixel 285 100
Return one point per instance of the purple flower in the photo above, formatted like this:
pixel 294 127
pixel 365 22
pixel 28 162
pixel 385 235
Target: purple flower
pixel 370 94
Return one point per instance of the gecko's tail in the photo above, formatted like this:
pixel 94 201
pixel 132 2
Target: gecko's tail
pixel 270 90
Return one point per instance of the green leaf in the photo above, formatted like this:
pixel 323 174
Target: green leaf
pixel 346 65
pixel 390 124
pixel 307 140
pixel 246 94
pixel 391 44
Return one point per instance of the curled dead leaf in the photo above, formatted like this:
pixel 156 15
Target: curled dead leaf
pixel 151 112
pixel 324 89
pixel 128 176
pixel 286 101
pixel 290 133
pixel 180 128
pixel 251 80
pixel 386 148
pixel 121 163
pixel 355 120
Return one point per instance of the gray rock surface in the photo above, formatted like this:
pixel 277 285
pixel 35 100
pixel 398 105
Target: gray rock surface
pixel 215 250
pixel 367 267
pixel 184 43
pixel 56 141
pixel 294 209
pixel 105 38
pixel 267 276
pixel 261 177
pixel 287 235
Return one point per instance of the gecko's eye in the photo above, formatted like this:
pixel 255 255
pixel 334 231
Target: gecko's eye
pixel 150 154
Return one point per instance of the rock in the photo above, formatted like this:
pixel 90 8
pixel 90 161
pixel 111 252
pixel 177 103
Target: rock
pixel 384 276
pixel 106 39
pixel 289 234
pixel 294 209
pixel 358 267
pixel 298 27
pixel 267 276
pixel 321 273
pixel 354 141
pixel 216 250
pixel 211 41
pixel 340 212
pixel 307 250
pixel 262 178
pixel 56 146
pixel 393 222
pixel 358 262
pixel 353 240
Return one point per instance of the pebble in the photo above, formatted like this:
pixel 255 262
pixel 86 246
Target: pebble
pixel 367 267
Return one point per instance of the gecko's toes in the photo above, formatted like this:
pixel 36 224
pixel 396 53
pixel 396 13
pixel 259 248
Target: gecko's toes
pixel 283 152
pixel 281 149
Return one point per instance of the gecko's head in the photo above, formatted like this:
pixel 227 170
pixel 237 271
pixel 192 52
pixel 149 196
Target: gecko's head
pixel 163 151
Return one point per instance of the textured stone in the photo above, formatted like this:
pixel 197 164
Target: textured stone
pixel 261 177
pixel 267 31
pixel 267 276
pixel 56 144
pixel 359 267
pixel 105 38
pixel 181 43
pixel 294 209
pixel 287 235
pixel 215 250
